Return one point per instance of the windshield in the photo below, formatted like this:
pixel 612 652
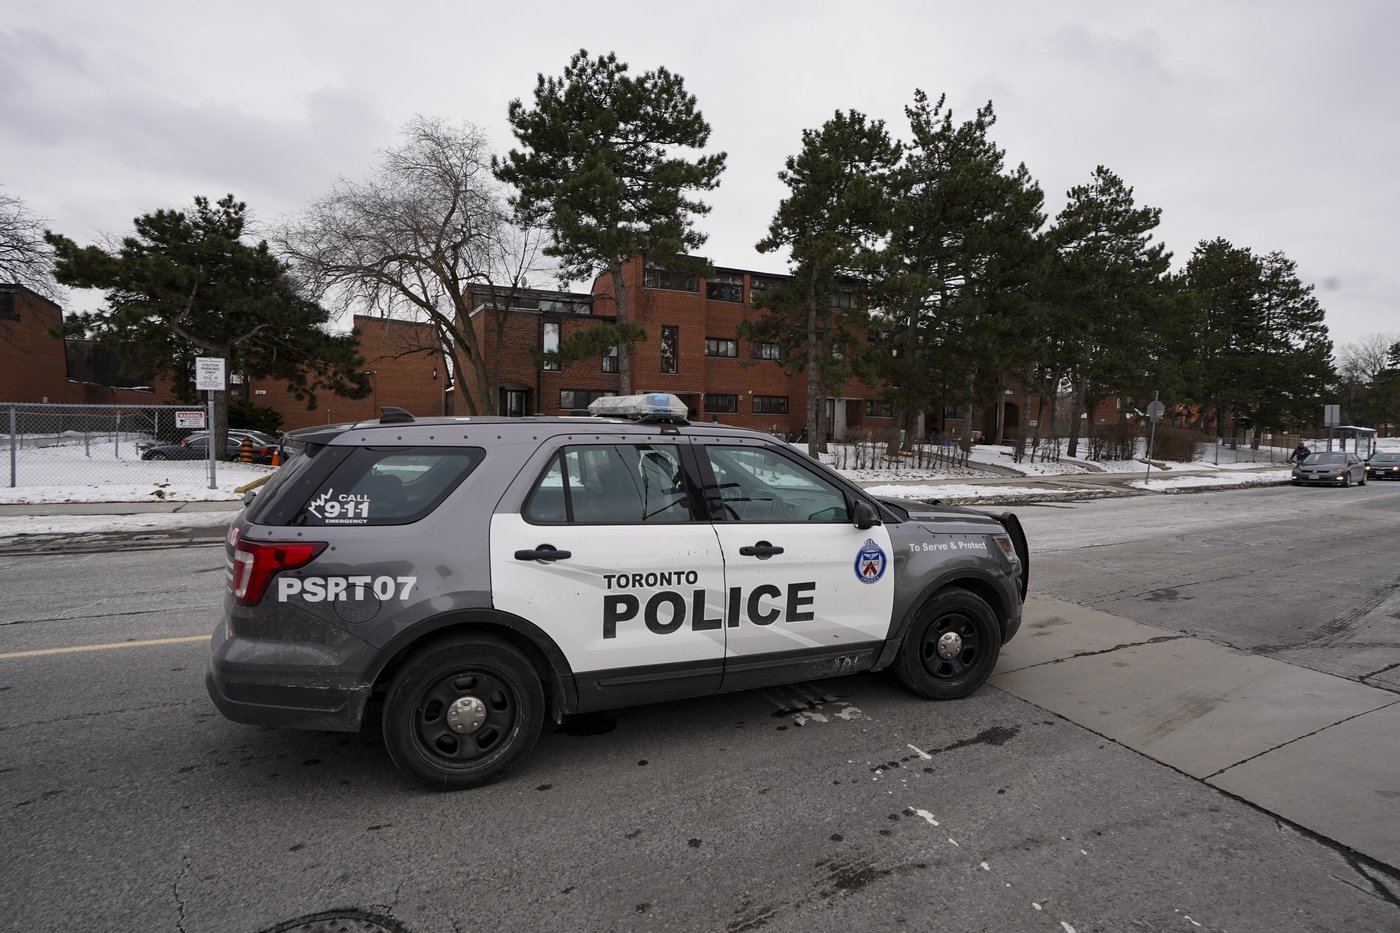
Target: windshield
pixel 1326 458
pixel 1386 458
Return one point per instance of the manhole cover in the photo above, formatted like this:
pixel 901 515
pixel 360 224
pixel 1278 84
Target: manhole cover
pixel 340 921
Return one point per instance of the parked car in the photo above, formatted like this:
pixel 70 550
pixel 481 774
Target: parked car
pixel 1330 468
pixel 196 447
pixel 189 450
pixel 1384 465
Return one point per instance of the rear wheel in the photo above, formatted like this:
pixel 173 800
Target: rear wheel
pixel 463 712
pixel 951 647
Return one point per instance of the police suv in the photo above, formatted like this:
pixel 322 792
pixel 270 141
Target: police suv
pixel 482 573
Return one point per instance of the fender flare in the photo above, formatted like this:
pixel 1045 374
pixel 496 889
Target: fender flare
pixel 561 673
pixel 947 578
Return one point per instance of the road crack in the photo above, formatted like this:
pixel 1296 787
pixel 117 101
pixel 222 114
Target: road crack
pixel 175 889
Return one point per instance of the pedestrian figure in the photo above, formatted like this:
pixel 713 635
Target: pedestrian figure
pixel 1300 453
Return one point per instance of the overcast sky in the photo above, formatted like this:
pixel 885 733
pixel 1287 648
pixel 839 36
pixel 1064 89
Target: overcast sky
pixel 1271 124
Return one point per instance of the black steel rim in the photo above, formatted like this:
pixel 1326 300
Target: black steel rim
pixel 960 664
pixel 455 750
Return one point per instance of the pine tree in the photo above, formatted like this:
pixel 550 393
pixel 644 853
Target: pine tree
pixel 600 169
pixel 955 295
pixel 1111 288
pixel 187 285
pixel 837 211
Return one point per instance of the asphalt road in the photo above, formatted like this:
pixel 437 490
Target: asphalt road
pixel 127 803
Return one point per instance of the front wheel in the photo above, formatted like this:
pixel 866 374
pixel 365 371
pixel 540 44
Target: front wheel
pixel 155 455
pixel 1346 481
pixel 951 647
pixel 463 712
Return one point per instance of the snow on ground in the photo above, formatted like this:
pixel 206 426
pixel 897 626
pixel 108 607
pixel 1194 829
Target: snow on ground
pixel 952 492
pixel 15 526
pixel 106 472
pixel 1167 483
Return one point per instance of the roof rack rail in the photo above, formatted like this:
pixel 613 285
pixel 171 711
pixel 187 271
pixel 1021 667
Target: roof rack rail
pixel 391 415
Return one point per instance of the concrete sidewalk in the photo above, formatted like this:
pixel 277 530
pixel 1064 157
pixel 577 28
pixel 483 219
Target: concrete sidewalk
pixel 1314 749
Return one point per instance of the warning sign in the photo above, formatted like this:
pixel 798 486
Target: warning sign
pixel 189 419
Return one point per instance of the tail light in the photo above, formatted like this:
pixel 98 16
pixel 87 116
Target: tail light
pixel 255 563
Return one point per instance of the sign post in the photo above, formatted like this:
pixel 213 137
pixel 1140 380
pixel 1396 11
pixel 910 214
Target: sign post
pixel 209 378
pixel 1154 411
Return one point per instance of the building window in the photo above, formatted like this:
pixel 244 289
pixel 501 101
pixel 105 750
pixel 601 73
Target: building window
pixel 670 340
pixel 844 298
pixel 721 404
pixel 760 286
pixel 719 346
pixel 610 360
pixel 549 343
pixel 725 286
pixel 768 351
pixel 562 306
pixel 770 404
pixel 570 399
pixel 654 276
pixel 7 305
pixel 877 409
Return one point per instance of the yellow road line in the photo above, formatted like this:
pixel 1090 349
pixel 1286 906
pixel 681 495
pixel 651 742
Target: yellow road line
pixel 44 652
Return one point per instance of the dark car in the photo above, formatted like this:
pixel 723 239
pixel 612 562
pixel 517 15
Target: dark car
pixel 189 450
pixel 484 574
pixel 1384 465
pixel 1330 468
pixel 197 448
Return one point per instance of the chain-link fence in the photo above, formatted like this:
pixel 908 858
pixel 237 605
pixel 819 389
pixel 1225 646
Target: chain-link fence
pixel 101 445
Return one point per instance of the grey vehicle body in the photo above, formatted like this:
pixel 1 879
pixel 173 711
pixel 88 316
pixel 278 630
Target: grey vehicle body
pixel 299 657
pixel 1330 468
pixel 1384 465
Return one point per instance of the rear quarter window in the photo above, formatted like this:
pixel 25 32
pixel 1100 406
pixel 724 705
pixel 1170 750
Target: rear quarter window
pixel 387 485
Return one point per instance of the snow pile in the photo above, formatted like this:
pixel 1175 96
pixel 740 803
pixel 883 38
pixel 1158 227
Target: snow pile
pixel 963 492
pixel 1168 483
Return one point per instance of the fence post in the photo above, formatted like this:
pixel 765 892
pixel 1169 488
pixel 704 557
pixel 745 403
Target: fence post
pixel 13 441
pixel 117 438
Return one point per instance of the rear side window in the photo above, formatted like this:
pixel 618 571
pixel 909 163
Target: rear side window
pixel 611 484
pixel 388 485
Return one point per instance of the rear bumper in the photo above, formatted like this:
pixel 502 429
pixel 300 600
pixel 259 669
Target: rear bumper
pixel 289 699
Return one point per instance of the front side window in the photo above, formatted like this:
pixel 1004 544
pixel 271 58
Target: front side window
pixel 720 346
pixel 719 404
pixel 611 484
pixel 770 404
pixel 753 484
pixel 549 343
pixel 388 486
pixel 670 341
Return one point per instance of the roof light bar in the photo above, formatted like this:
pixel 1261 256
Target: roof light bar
pixel 653 404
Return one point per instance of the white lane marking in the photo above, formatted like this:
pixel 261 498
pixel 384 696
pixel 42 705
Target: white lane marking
pixel 45 652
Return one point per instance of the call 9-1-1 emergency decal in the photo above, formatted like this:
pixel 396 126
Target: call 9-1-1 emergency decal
pixel 870 562
pixel 343 509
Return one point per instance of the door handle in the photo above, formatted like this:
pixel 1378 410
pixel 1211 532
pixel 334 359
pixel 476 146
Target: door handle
pixel 762 550
pixel 544 552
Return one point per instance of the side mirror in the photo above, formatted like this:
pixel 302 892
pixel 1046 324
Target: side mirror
pixel 865 515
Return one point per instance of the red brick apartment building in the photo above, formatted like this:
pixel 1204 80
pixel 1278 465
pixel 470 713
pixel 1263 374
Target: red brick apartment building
pixel 38 367
pixel 692 351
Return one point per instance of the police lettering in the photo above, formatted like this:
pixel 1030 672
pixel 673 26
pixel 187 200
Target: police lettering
pixel 335 589
pixel 667 611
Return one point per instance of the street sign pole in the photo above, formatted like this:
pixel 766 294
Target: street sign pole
pixel 1154 412
pixel 209 377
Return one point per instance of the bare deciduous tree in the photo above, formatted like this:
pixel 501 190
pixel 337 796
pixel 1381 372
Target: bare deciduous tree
pixel 25 259
pixel 426 238
pixel 1361 361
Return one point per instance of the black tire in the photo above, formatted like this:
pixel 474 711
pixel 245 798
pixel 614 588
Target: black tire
pixel 1346 480
pixel 508 698
pixel 921 665
pixel 155 455
pixel 1362 481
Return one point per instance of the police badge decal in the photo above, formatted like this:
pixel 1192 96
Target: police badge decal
pixel 870 562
